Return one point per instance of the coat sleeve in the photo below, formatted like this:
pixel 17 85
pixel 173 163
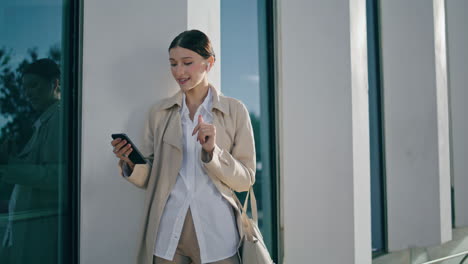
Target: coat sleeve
pixel 236 169
pixel 141 172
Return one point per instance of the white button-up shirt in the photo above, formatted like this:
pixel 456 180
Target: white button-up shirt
pixel 213 216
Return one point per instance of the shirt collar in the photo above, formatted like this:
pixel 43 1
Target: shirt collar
pixel 205 106
pixel 217 103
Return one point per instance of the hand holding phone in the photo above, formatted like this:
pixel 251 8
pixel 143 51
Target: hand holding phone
pixel 126 150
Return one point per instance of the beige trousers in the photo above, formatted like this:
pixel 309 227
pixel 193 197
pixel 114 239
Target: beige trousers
pixel 188 251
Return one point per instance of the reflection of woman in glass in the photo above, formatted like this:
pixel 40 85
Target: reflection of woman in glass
pixel 201 148
pixel 31 235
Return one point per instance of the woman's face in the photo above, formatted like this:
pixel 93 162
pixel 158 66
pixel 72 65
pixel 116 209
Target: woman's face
pixel 188 67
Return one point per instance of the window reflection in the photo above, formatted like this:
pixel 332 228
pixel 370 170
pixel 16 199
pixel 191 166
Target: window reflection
pixel 30 167
pixel 244 75
pixel 31 130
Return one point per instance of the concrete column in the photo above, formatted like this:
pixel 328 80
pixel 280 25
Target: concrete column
pixel 324 131
pixel 126 70
pixel 416 123
pixel 458 75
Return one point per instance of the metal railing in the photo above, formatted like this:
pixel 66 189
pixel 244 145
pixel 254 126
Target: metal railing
pixel 27 215
pixel 449 257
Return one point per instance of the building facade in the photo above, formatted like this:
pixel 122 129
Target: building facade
pixel 357 108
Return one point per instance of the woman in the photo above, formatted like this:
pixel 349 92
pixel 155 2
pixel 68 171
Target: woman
pixel 201 149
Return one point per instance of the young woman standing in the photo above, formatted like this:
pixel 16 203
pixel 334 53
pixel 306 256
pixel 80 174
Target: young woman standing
pixel 201 149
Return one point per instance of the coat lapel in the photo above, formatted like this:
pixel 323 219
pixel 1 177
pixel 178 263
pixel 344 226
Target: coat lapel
pixel 173 130
pixel 173 133
pixel 220 129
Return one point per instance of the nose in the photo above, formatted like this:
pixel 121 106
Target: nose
pixel 179 70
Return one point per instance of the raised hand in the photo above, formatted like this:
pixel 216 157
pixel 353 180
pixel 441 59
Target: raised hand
pixel 206 134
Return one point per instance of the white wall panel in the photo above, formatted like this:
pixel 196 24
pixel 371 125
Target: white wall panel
pixel 125 70
pixel 324 131
pixel 416 124
pixel 457 40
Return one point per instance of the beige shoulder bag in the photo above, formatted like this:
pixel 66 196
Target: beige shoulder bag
pixel 252 249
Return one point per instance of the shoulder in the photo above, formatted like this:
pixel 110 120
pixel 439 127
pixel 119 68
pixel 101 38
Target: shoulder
pixel 53 121
pixel 232 105
pixel 235 109
pixel 164 105
pixel 158 113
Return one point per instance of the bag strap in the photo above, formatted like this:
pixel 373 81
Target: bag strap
pixel 253 205
pixel 248 228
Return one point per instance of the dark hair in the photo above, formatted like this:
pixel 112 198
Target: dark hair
pixel 194 40
pixel 46 68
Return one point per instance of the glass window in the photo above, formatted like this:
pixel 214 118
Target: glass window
pixel 375 132
pixel 35 183
pixel 246 74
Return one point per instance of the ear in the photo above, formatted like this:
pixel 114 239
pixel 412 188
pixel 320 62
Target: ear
pixel 56 85
pixel 210 63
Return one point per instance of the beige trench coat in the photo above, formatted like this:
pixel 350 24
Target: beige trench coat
pixel 232 167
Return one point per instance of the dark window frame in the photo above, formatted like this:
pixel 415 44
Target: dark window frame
pixel 376 119
pixel 72 47
pixel 267 16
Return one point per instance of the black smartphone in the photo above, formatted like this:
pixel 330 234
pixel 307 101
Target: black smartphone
pixel 136 156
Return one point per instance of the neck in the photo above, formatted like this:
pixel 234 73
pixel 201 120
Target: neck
pixel 46 105
pixel 196 95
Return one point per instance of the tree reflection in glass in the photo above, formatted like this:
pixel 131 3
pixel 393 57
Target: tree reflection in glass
pixel 29 160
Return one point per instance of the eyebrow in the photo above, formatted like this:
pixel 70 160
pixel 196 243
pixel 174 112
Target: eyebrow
pixel 182 58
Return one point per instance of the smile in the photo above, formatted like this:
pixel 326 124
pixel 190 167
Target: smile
pixel 183 81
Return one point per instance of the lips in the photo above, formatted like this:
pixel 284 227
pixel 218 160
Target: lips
pixel 183 81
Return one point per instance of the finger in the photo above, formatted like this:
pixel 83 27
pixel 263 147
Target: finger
pixel 204 135
pixel 115 141
pixel 120 145
pixel 195 130
pixel 127 154
pixel 200 127
pixel 123 150
pixel 208 131
pixel 200 137
pixel 200 119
